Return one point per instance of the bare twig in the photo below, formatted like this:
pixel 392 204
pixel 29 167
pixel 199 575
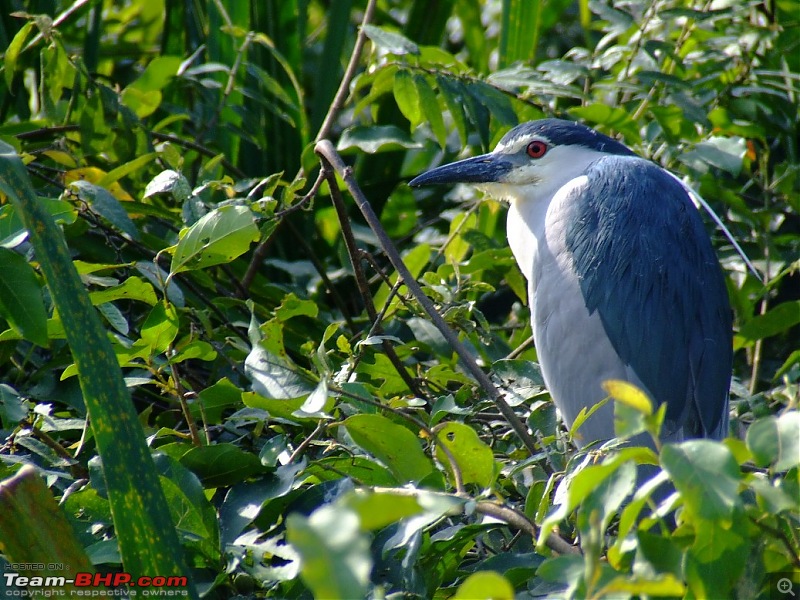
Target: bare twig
pixel 298 452
pixel 329 155
pixel 181 393
pixel 349 73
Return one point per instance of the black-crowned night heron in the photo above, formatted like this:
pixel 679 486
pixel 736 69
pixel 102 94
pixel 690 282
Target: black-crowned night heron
pixel 623 282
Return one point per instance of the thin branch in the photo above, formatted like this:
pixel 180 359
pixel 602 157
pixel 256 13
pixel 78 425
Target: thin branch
pixel 361 281
pixel 45 132
pixel 181 393
pixel 260 253
pixel 520 349
pixel 329 155
pixel 518 520
pixel 349 73
pixel 320 268
pixel 321 426
pixel 506 514
pixel 56 23
pixel 779 534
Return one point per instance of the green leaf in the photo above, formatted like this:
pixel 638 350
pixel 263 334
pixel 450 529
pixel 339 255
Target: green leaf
pixel 359 468
pixel 194 350
pixel 458 247
pixel 629 394
pixel 590 479
pixel 610 119
pixel 190 508
pixel 646 586
pixel 377 138
pixel 114 175
pixel 473 457
pixel 12 407
pixel 390 41
pixel 334 552
pixel 485 584
pixel 775 321
pixel 13 233
pixel 726 153
pixel 114 317
pixel 107 206
pixel 429 105
pixel 776 441
pixel 521 380
pixel 475 101
pixel 453 94
pixel 717 557
pixel 221 465
pixel 219 237
pixel 519 31
pixel 143 96
pixel 160 327
pixel 215 400
pixel 273 374
pixel 21 301
pixel 13 51
pixel 407 97
pixel 170 182
pixel 706 475
pixel 133 288
pixel 292 306
pixel 392 444
pixel 607 495
pixel 376 510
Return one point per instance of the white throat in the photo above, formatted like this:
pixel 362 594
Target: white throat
pixel 530 194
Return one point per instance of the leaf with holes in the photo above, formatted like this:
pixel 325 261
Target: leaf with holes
pixel 219 237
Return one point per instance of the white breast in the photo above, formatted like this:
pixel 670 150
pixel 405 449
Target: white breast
pixel 574 351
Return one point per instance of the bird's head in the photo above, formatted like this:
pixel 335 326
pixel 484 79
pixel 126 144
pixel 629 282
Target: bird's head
pixel 531 161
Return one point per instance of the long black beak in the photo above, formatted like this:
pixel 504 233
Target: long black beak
pixel 487 168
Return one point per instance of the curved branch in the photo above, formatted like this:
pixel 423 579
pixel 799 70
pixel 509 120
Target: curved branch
pixel 516 519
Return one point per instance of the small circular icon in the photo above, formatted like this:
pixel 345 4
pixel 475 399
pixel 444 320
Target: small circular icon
pixel 785 586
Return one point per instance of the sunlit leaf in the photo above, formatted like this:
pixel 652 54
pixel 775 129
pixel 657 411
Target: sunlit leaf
pixel 217 238
pixel 334 552
pixel 392 444
pixel 485 584
pixel 776 441
pixel 706 475
pixel 473 458
pixel 390 41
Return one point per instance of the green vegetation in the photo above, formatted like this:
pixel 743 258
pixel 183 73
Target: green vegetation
pixel 179 278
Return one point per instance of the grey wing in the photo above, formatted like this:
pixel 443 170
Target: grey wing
pixel 645 264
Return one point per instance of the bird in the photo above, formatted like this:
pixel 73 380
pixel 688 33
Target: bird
pixel 623 280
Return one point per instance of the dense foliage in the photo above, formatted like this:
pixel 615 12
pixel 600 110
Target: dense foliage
pixel 313 432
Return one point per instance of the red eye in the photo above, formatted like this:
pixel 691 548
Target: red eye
pixel 536 149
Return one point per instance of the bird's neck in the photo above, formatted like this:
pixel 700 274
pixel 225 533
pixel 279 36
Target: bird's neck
pixel 525 227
